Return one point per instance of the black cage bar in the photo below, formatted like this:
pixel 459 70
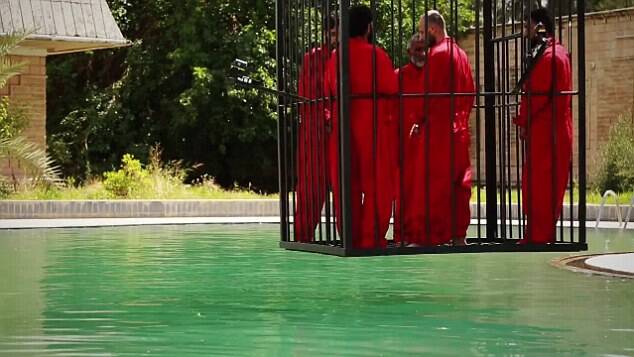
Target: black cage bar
pixel 361 160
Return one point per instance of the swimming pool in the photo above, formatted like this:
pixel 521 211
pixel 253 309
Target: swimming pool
pixel 229 290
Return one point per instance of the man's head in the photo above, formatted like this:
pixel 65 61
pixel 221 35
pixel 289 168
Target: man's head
pixel 360 22
pixel 432 27
pixel 332 26
pixel 539 20
pixel 416 50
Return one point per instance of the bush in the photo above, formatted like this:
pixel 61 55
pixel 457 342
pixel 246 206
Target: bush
pixel 127 181
pixel 616 165
pixel 5 188
pixel 165 179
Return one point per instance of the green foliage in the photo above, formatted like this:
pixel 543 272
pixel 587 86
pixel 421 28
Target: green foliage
pixel 12 119
pixel 601 5
pixel 5 188
pixel 127 181
pixel 170 87
pixel 616 169
pixel 94 190
pixel 157 180
pixel 165 178
pixel 392 25
pixel 31 159
pixel 9 67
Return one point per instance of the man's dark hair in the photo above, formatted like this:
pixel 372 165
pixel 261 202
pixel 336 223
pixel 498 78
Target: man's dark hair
pixel 542 15
pixel 360 19
pixel 331 22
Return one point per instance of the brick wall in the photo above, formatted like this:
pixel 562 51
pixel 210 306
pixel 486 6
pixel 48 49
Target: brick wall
pixel 29 90
pixel 610 73
pixel 609 77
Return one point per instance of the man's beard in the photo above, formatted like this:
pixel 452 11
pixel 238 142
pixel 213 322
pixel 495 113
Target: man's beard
pixel 416 62
pixel 431 41
pixel 535 40
pixel 370 36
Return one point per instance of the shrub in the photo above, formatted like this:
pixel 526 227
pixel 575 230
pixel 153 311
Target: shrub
pixel 616 165
pixel 165 178
pixel 127 181
pixel 5 188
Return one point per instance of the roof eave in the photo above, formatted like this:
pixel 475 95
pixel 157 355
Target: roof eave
pixel 47 45
pixel 120 42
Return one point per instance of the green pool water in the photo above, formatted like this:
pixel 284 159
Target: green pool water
pixel 229 290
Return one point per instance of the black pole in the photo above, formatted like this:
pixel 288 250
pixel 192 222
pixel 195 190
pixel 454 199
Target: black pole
pixel 489 121
pixel 281 120
pixel 478 115
pixel 344 125
pixel 581 62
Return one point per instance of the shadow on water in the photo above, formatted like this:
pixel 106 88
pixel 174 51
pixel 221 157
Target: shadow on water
pixel 228 290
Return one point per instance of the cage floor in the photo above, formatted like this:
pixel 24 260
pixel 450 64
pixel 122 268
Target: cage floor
pixel 474 245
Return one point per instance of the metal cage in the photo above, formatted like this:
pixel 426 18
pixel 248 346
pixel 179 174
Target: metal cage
pixel 318 154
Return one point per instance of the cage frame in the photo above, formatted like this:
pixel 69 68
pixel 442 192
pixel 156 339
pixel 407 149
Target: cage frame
pixel 341 244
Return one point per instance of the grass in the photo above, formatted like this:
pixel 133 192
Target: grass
pixel 95 191
pixel 592 196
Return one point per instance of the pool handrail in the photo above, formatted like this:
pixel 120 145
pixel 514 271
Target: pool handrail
pixel 628 213
pixel 607 194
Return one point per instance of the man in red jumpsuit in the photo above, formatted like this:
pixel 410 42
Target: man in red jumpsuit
pixel 446 177
pixel 371 176
pixel 410 111
pixel 311 187
pixel 545 119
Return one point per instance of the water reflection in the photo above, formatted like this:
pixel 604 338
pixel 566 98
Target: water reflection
pixel 23 258
pixel 228 290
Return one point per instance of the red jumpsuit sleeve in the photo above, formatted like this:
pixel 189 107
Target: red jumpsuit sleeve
pixel 438 68
pixel 466 86
pixel 435 80
pixel 388 82
pixel 469 86
pixel 302 84
pixel 330 85
pixel 538 84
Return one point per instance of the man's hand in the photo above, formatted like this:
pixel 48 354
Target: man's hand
pixel 522 129
pixel 327 121
pixel 414 131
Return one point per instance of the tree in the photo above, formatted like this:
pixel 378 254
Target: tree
pixel 170 87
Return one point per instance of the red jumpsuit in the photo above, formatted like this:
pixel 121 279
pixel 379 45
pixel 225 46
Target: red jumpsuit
pixel 462 137
pixel 371 177
pixel 545 170
pixel 445 123
pixel 311 187
pixel 411 112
